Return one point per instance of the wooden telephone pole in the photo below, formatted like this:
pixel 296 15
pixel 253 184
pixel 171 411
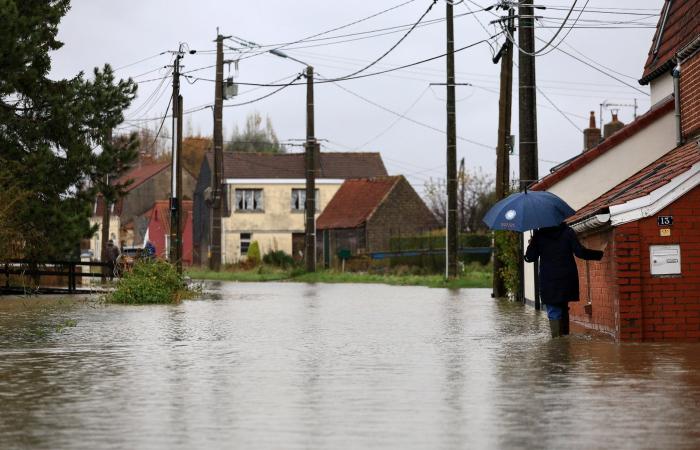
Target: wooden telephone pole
pixel 529 170
pixel 505 103
pixel 176 166
pixel 311 154
pixel 451 216
pixel 217 172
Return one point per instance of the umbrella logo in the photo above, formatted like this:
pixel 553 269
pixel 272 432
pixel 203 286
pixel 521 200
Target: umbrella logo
pixel 510 214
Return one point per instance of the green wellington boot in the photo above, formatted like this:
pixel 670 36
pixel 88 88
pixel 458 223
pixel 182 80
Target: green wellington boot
pixel 555 326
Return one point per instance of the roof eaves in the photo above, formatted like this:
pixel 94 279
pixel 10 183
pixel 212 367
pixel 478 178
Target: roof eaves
pixel 656 200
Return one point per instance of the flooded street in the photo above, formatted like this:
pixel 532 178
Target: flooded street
pixel 276 365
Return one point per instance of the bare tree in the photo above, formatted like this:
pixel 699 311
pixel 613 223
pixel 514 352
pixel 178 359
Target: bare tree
pixel 475 195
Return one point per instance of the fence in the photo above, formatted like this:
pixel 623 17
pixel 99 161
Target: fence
pixel 66 273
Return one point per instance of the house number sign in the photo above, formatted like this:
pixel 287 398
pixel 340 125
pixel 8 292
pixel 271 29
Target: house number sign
pixel 664 221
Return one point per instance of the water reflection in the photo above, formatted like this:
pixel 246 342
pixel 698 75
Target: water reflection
pixel 333 366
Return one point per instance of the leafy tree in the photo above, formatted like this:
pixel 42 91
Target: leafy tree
pixel 49 128
pixel 193 150
pixel 255 137
pixel 10 226
pixel 475 195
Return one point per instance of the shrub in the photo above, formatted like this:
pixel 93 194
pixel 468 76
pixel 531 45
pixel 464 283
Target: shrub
pixel 155 281
pixel 254 253
pixel 278 258
pixel 508 243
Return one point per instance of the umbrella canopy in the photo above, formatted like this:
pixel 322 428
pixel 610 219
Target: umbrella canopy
pixel 528 210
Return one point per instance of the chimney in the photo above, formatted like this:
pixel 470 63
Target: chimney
pixel 612 127
pixel 591 135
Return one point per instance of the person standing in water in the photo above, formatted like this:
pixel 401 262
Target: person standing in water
pixel 556 247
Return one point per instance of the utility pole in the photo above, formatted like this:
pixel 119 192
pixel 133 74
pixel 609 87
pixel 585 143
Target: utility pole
pixel 176 176
pixel 105 219
pixel 527 112
pixel 311 148
pixel 505 103
pixel 217 173
pixel 451 217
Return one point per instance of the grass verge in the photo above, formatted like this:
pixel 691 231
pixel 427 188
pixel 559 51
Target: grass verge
pixel 470 279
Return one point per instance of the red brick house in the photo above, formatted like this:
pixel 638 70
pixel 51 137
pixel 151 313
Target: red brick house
pixel 647 286
pixel 130 214
pixel 366 213
pixel 159 229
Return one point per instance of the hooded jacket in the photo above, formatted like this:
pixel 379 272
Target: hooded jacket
pixel 556 247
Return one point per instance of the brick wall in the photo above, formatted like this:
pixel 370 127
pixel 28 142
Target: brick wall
pixel 690 96
pixel 671 305
pixel 598 286
pixel 628 275
pixel 403 212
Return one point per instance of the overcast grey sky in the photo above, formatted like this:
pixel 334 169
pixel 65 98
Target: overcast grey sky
pixel 124 32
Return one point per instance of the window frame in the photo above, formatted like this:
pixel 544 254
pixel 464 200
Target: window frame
pixel 303 208
pixel 246 195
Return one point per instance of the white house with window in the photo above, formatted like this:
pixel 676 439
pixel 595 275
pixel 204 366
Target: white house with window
pixel 266 194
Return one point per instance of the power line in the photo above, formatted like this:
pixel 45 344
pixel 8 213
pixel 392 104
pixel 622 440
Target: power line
pixel 281 46
pixel 397 120
pixel 162 123
pixel 384 108
pixel 393 46
pixel 291 83
pixel 140 61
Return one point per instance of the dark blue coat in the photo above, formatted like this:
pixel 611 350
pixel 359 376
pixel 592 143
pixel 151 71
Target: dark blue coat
pixel 555 247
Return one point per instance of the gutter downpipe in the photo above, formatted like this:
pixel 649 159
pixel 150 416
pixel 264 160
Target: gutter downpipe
pixel 676 73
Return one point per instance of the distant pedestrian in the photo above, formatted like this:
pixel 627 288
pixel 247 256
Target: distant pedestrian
pixel 558 278
pixel 112 256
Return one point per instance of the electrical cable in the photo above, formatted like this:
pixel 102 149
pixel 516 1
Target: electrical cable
pixel 567 32
pixel 537 52
pixel 267 95
pixel 167 108
pixel 140 61
pixel 384 108
pixel 397 120
pixel 281 46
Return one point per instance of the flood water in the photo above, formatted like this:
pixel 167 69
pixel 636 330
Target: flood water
pixel 294 366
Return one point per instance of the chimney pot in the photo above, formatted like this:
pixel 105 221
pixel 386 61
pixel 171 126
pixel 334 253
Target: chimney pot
pixel 591 135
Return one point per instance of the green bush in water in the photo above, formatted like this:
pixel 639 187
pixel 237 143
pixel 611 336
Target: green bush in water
pixel 254 253
pixel 278 258
pixel 154 281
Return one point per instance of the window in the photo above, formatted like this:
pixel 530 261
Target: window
pixel 299 199
pixel 245 243
pixel 249 200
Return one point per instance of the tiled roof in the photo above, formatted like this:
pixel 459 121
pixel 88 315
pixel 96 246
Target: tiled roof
pixel 652 177
pixel 291 165
pixel 162 209
pixel 140 174
pixel 355 202
pixel 680 28
pixel 617 138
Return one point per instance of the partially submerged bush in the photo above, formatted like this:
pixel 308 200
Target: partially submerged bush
pixel 278 258
pixel 155 281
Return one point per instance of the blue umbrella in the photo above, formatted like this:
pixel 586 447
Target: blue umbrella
pixel 528 210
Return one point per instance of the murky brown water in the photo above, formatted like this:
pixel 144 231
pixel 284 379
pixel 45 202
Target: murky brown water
pixel 268 366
